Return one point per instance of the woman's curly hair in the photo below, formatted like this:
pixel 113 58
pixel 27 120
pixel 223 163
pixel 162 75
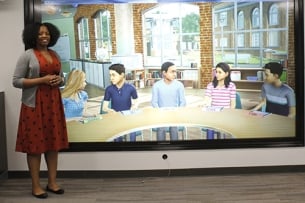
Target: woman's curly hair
pixel 30 34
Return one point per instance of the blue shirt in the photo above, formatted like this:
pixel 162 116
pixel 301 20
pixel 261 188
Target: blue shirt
pixel 168 95
pixel 75 108
pixel 120 98
pixel 279 99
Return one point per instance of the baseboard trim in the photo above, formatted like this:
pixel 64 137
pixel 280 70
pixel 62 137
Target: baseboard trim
pixel 164 173
pixel 3 175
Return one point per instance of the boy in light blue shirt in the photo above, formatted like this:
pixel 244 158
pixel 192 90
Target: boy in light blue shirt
pixel 168 92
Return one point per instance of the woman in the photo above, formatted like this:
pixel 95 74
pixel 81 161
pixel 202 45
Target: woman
pixel 42 128
pixel 74 97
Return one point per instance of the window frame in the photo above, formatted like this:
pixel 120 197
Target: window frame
pixel 149 36
pixel 33 15
pixel 100 38
pixel 274 15
pixel 83 38
pixel 256 39
pixel 255 18
pixel 240 20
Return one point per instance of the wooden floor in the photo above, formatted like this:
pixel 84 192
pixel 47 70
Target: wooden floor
pixel 265 187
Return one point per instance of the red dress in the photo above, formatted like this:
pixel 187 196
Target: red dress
pixel 43 128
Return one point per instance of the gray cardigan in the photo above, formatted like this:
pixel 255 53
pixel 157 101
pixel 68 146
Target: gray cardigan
pixel 28 67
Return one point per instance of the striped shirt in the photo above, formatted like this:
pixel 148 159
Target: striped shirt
pixel 279 99
pixel 221 96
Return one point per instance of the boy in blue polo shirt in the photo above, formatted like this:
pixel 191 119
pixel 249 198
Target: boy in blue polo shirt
pixel 278 98
pixel 168 92
pixel 123 96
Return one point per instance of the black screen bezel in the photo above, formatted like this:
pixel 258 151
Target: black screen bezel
pixel 32 14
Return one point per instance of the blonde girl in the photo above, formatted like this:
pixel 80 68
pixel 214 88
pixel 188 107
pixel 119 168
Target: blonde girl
pixel 73 95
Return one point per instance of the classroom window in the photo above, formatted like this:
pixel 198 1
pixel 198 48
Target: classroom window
pixel 102 35
pixel 241 40
pixel 171 33
pixel 273 38
pixel 255 18
pixel 216 20
pixel 240 20
pixel 255 39
pixel 274 15
pixel 223 19
pixel 83 38
pixel 247 40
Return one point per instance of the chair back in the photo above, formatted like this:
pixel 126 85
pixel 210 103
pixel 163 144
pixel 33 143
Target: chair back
pixel 238 101
pixel 264 108
pixel 101 108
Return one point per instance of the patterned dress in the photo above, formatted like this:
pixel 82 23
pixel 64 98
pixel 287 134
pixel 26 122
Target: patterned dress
pixel 43 128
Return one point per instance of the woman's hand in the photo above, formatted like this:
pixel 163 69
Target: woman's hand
pixel 52 80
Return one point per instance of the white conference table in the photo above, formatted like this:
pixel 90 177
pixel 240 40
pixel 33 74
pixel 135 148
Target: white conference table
pixel 239 123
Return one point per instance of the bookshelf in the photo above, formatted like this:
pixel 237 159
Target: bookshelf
pixel 136 77
pixel 247 79
pixel 251 79
pixel 188 76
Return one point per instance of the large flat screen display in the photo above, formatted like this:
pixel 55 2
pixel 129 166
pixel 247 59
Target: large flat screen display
pixel 175 55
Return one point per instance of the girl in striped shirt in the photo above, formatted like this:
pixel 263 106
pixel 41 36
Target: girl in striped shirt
pixel 221 92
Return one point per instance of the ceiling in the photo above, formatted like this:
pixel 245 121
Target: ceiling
pixel 55 9
pixel 77 2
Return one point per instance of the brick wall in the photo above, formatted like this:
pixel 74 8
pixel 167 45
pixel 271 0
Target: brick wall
pixel 137 25
pixel 206 44
pixel 89 11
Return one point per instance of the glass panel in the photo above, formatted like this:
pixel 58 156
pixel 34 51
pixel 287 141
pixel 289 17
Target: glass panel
pixel 102 36
pixel 240 20
pixel 172 33
pixel 258 41
pixel 84 44
pixel 256 18
pixel 274 15
pixel 245 34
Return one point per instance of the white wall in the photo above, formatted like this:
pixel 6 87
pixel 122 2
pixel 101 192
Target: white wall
pixel 11 21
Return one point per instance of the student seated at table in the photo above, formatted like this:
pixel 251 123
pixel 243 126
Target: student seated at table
pixel 168 92
pixel 221 92
pixel 122 95
pixel 277 97
pixel 74 97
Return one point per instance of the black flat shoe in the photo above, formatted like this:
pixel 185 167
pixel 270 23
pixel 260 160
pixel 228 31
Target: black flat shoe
pixel 41 196
pixel 58 192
